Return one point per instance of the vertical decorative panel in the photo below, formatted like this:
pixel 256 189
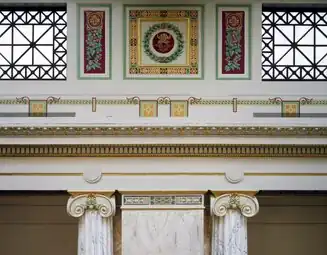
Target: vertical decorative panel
pixel 163 42
pixel 94 56
pixel 233 42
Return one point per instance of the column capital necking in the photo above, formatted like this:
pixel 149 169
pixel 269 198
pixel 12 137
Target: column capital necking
pixel 247 205
pixel 78 204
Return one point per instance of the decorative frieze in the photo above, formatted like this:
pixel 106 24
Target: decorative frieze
pixel 162 201
pixel 163 150
pixel 190 130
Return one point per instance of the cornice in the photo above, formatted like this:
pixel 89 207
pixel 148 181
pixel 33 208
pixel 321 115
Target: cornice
pixel 163 150
pixel 276 131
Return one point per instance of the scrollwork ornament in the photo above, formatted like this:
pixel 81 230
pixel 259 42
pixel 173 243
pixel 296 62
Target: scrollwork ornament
pixel 53 99
pixel 133 100
pixel 163 100
pixel 276 100
pixel 77 205
pixel 247 205
pixel 23 100
pixel 194 100
pixel 305 100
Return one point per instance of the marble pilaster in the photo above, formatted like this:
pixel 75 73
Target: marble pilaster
pixel 95 231
pixel 162 224
pixel 229 223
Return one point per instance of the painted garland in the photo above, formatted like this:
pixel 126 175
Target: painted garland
pixel 163 59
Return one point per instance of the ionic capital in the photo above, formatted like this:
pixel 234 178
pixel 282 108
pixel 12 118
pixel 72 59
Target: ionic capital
pixel 246 204
pixel 78 204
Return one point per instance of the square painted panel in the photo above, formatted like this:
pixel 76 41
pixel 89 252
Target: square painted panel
pixel 38 108
pixel 179 109
pixel 148 108
pixel 290 109
pixel 163 42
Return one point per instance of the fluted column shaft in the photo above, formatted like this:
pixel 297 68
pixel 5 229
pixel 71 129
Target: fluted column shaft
pixel 95 230
pixel 229 223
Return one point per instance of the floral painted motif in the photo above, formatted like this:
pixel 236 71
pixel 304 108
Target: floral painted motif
pixel 148 109
pixel 158 40
pixel 163 43
pixel 290 109
pixel 179 109
pixel 233 42
pixel 94 42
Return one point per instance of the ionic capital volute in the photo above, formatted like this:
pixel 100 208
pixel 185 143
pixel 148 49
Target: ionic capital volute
pixel 246 204
pixel 103 204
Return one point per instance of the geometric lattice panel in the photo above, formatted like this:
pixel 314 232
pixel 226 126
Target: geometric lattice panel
pixel 33 42
pixel 163 42
pixel 294 43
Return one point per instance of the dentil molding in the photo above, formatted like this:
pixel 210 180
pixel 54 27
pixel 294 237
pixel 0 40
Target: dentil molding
pixel 247 205
pixel 77 205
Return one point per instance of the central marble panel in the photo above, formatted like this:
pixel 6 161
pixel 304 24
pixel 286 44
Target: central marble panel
pixel 165 225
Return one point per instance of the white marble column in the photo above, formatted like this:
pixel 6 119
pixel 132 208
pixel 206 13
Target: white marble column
pixel 162 224
pixel 95 231
pixel 229 223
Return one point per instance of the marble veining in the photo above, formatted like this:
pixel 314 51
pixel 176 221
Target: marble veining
pixel 95 234
pixel 229 234
pixel 165 232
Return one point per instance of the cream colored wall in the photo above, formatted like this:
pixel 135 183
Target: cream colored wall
pixel 207 89
pixel 38 225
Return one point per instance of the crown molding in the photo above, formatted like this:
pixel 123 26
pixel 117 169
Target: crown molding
pixel 277 131
pixel 163 150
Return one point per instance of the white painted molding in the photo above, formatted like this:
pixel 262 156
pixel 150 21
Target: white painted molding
pixel 92 176
pixel 234 176
pixel 247 205
pixel 77 205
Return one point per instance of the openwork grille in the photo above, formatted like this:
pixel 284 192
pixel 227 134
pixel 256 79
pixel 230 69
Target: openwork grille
pixel 33 42
pixel 294 43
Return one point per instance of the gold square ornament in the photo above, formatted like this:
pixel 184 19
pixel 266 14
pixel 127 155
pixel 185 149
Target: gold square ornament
pixel 290 109
pixel 148 108
pixel 179 109
pixel 38 108
pixel 163 42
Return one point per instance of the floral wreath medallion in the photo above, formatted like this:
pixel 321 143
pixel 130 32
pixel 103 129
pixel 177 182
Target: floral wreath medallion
pixel 163 42
pixel 162 46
